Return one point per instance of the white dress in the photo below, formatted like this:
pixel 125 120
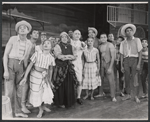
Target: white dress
pixel 78 51
pixel 90 81
pixel 40 90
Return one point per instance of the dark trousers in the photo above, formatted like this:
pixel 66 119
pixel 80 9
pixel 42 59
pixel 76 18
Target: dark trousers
pixel 144 77
pixel 130 64
pixel 117 67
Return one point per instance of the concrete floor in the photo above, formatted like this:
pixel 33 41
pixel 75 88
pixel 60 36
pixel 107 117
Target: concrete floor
pixel 98 109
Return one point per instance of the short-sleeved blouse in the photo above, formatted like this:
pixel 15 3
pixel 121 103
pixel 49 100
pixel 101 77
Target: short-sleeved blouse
pixel 90 56
pixel 43 61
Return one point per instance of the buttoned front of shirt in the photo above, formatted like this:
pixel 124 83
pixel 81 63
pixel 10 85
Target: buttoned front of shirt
pixel 131 50
pixel 15 42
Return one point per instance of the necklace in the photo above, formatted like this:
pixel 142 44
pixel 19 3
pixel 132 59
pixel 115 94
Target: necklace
pixel 64 46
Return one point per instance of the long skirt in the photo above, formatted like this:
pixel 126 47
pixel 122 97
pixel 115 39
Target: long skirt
pixel 65 81
pixel 40 90
pixel 90 80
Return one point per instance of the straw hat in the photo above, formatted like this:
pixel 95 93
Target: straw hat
pixel 93 29
pixel 23 22
pixel 128 26
pixel 64 33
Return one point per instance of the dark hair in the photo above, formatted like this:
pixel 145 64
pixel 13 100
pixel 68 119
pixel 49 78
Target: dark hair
pixel 121 37
pixel 144 39
pixel 90 38
pixel 32 31
pixel 103 34
pixel 128 28
pixel 111 33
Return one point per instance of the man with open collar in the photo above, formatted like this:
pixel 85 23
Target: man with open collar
pixel 15 61
pixel 131 51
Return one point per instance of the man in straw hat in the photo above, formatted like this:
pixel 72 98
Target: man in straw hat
pixel 15 61
pixel 130 50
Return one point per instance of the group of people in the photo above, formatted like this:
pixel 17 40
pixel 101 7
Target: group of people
pixel 57 70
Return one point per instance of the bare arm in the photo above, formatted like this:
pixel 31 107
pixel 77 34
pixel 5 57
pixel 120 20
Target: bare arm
pixel 98 60
pixel 139 61
pixel 23 81
pixel 112 53
pixel 28 70
pixel 121 60
pixel 139 46
pixel 5 60
pixel 83 60
pixel 27 58
pixel 50 71
pixel 140 57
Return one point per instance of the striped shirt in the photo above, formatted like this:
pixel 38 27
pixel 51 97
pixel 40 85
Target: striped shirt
pixel 43 61
pixel 17 50
pixel 22 47
pixel 145 55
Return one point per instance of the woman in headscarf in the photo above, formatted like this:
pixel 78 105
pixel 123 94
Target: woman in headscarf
pixel 64 77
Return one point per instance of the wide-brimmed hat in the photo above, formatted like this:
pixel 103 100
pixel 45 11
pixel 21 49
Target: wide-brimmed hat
pixel 64 33
pixel 23 22
pixel 93 29
pixel 128 26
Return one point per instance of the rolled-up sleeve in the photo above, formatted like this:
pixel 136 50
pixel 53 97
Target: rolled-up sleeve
pixel 57 50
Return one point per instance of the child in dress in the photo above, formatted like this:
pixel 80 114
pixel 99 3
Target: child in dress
pixel 91 77
pixel 40 90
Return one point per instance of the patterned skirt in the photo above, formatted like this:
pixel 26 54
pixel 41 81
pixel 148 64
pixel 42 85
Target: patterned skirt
pixel 65 82
pixel 90 80
pixel 40 90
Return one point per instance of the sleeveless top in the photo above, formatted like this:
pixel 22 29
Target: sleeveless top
pixel 106 54
pixel 66 49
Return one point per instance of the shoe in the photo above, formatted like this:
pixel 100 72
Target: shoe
pixel 79 101
pixel 145 96
pixel 127 97
pixel 122 94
